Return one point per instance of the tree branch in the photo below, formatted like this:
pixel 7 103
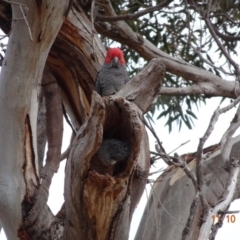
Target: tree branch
pixel 206 88
pixel 122 33
pixel 225 37
pixel 135 15
pixel 135 90
pixel 226 141
pixel 199 167
pixel 224 202
pixel 223 50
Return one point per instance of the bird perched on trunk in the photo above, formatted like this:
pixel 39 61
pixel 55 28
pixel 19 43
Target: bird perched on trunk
pixel 112 151
pixel 113 74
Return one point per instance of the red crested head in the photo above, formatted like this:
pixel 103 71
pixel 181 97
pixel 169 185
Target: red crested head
pixel 114 52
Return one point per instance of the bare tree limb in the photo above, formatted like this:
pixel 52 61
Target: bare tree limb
pixel 132 91
pixel 206 88
pixel 65 154
pixel 226 141
pixel 199 167
pixel 158 146
pixel 135 15
pixel 25 19
pixel 225 201
pixel 225 37
pixel 193 208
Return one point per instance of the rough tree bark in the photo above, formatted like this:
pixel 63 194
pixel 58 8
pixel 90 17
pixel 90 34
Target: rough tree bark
pixel 102 205
pixel 71 66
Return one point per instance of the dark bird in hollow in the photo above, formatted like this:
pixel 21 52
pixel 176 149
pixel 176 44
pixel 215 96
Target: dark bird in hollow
pixel 112 151
pixel 113 74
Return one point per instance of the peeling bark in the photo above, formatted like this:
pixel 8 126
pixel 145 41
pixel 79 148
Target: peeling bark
pixel 54 131
pixel 41 132
pixel 20 75
pixel 72 63
pixel 98 198
pixel 168 209
pixel 77 169
pixel 29 168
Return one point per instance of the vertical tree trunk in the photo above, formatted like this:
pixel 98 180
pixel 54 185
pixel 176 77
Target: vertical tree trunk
pixel 20 78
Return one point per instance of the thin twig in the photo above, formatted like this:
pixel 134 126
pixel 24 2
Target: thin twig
pixel 25 19
pixel 193 208
pixel 155 193
pixel 158 171
pixel 24 14
pixel 156 217
pixel 65 154
pixel 149 126
pixel 3 36
pixel 182 144
pixel 135 15
pixel 93 16
pixel 196 50
pixel 224 15
pixel 228 212
pixel 226 37
pixel 187 170
pixel 14 3
pixel 214 35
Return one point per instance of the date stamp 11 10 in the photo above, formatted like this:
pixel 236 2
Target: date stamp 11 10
pixel 230 218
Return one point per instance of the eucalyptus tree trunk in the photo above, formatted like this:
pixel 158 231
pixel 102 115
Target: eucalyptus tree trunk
pixel 174 210
pixel 28 47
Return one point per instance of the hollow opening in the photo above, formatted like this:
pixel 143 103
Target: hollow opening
pixel 116 145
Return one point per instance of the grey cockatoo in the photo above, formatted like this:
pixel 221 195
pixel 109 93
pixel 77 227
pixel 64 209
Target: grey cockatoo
pixel 112 151
pixel 113 74
pixel 110 79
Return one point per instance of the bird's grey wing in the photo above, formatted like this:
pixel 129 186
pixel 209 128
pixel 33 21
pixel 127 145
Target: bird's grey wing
pixel 97 85
pixel 127 78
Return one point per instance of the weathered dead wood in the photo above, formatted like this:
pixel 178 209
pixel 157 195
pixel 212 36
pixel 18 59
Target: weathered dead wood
pixel 98 199
pixel 101 204
pixel 87 140
pixel 150 78
pixel 71 61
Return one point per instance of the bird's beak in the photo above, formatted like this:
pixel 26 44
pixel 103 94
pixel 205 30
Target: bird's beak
pixel 115 61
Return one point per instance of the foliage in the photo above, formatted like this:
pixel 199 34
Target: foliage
pixel 181 31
